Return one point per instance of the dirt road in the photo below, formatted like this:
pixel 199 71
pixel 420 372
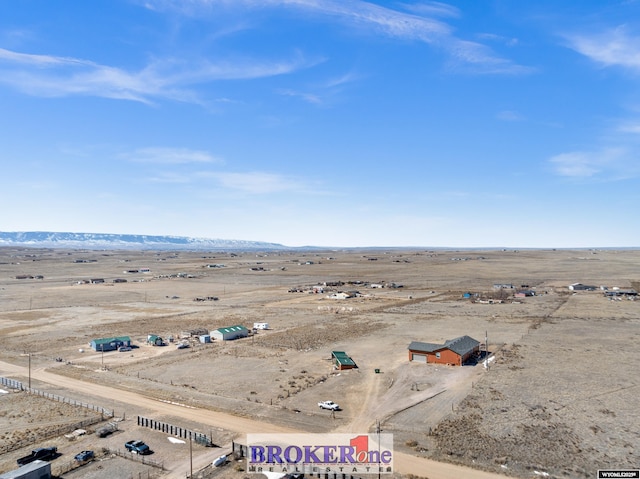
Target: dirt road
pixel 403 463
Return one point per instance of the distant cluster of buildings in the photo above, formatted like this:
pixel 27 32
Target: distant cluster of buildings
pixel 227 333
pixel 336 288
pixel 610 292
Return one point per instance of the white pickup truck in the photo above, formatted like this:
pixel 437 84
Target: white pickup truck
pixel 328 405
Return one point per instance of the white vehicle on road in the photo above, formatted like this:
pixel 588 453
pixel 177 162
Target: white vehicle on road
pixel 328 405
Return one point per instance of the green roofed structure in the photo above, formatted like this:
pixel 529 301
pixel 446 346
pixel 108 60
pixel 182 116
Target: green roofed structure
pixel 155 340
pixel 110 344
pixel 230 332
pixel 342 361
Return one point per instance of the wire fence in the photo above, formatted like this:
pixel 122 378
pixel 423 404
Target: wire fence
pixel 142 459
pixel 13 384
pixel 60 468
pixel 49 432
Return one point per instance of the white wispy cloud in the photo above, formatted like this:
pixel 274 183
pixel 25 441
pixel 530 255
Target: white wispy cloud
pixel 321 93
pixel 15 35
pixel 391 21
pixel 176 79
pixel 39 60
pixel 419 25
pixel 509 41
pixel 342 80
pixel 168 156
pixel 169 177
pixel 245 183
pixel 432 8
pixel 47 75
pixel 238 69
pixel 616 47
pixel 308 97
pixel 630 127
pixel 54 76
pixel 610 163
pixel 252 182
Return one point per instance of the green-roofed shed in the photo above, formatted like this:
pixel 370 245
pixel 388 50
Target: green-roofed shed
pixel 342 361
pixel 155 340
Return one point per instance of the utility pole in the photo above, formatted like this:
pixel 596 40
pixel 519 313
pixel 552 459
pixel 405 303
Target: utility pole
pixel 378 431
pixel 486 348
pixel 29 370
pixel 190 457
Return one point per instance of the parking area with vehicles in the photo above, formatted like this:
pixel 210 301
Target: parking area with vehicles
pixel 469 415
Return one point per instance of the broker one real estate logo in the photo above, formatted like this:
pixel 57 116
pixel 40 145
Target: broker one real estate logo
pixel 320 453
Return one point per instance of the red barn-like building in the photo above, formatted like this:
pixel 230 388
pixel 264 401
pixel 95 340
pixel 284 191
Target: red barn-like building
pixel 454 351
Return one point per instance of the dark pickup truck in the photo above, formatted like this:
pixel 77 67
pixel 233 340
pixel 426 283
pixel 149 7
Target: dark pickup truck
pixel 41 453
pixel 137 447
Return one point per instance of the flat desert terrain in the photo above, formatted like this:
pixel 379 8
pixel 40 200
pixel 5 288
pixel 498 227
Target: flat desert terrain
pixel 558 398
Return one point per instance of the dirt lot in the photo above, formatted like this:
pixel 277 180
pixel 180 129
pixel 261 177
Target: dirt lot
pixel 559 398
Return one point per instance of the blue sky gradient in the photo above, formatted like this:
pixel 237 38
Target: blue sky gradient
pixel 337 123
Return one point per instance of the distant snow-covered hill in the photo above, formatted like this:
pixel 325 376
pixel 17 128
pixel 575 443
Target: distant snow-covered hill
pixel 46 239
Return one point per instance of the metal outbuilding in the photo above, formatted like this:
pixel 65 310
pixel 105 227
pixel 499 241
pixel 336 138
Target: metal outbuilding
pixel 155 340
pixel 230 332
pixel 34 470
pixel 342 361
pixel 110 344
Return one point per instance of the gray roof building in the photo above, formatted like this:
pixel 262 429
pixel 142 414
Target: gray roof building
pixel 461 345
pixel 453 351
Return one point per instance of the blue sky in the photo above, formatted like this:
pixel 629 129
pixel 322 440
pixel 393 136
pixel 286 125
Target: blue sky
pixel 496 123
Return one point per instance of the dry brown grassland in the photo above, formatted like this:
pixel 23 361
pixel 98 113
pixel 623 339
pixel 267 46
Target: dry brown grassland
pixel 559 398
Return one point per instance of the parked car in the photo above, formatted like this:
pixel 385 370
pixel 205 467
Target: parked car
pixel 40 454
pixel 84 456
pixel 220 461
pixel 137 447
pixel 107 429
pixel 124 349
pixel 330 405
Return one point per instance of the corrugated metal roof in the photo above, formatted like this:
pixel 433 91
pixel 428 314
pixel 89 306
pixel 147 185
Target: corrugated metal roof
pixel 232 329
pixel 123 339
pixel 42 467
pixel 343 358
